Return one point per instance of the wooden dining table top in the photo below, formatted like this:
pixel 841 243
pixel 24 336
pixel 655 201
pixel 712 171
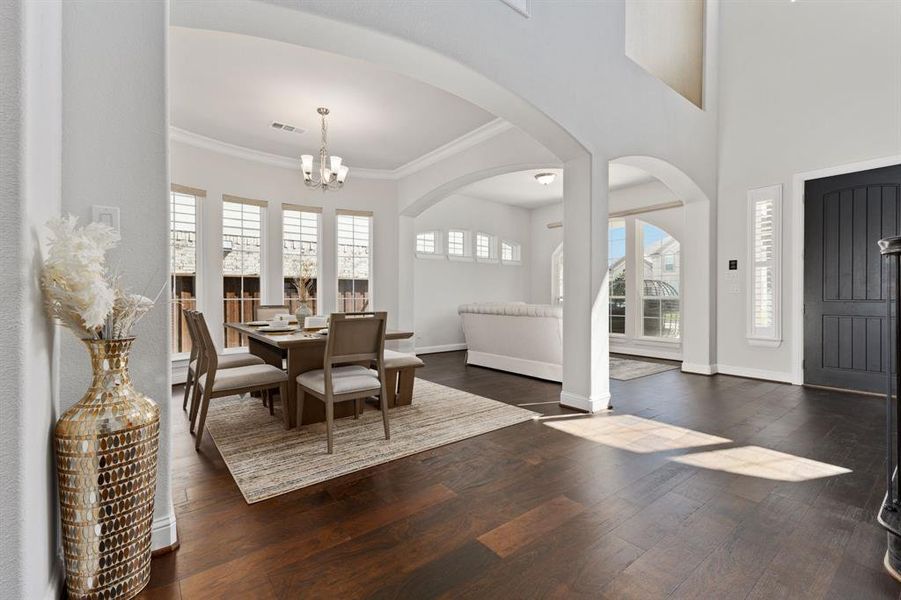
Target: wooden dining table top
pixel 300 337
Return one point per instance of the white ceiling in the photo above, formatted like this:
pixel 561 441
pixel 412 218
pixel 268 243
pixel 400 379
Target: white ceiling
pixel 230 88
pixel 521 189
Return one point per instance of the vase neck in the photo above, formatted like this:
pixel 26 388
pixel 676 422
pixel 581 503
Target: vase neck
pixel 109 361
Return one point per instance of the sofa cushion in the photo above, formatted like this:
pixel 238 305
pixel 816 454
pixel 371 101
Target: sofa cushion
pixel 512 309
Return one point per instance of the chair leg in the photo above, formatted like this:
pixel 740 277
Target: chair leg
pixel 286 410
pixel 299 407
pixel 271 400
pixel 188 382
pixel 196 394
pixel 204 405
pixel 357 408
pixel 329 422
pixel 383 401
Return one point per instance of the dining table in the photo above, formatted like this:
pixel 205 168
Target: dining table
pixel 299 351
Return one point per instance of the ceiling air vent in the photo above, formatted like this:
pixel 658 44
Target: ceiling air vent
pixel 286 127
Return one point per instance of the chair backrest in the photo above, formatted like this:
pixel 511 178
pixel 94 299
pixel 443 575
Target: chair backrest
pixel 192 335
pixel 355 337
pixel 208 359
pixel 267 312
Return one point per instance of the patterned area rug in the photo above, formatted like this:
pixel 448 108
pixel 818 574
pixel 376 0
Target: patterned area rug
pixel 267 460
pixel 625 369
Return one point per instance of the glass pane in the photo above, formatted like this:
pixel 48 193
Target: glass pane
pixel 617 325
pixel 670 317
pixel 651 327
pixel 651 308
pixel 183 252
pixel 618 306
pixel 353 262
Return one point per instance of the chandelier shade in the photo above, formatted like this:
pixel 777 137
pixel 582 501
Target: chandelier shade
pixel 332 172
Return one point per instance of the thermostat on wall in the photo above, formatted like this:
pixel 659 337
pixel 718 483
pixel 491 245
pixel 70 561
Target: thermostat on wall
pixel 108 215
pixel 733 265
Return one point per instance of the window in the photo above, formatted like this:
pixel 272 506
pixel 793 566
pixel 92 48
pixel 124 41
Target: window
pixel 660 306
pixel 616 274
pixel 511 253
pixel 486 247
pixel 427 242
pixel 242 234
pixel 354 260
pixel 557 275
pixel 459 245
pixel 764 206
pixel 183 204
pixel 300 256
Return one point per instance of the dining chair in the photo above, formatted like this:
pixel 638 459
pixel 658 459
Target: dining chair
pixel 267 312
pixel 217 383
pixel 226 361
pixel 352 338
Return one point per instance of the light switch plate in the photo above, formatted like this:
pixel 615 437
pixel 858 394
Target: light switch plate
pixel 108 215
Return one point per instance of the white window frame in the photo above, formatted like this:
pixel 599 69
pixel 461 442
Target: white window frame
pixel 264 255
pixel 467 245
pixel 436 238
pixel 371 288
pixel 770 336
pixel 319 248
pixel 515 252
pixel 199 271
pixel 492 248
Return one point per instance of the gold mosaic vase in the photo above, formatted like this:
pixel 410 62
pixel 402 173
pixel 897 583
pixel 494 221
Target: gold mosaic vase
pixel 106 458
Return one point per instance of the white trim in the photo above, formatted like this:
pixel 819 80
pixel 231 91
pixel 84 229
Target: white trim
pixel 699 369
pixel 780 376
pixel 797 196
pixel 455 146
pixel 430 256
pixel 162 532
pixel 179 371
pixel 584 403
pixel 441 348
pixel 755 195
pixel 512 364
pixel 652 349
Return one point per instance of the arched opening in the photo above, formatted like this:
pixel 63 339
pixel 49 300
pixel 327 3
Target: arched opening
pixel 585 384
pixel 682 206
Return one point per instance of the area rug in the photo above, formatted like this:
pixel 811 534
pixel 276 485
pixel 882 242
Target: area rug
pixel 267 460
pixel 624 369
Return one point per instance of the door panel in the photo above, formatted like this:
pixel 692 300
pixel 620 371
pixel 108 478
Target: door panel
pixel 844 307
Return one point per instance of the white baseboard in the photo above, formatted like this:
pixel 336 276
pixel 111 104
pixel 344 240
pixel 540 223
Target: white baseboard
pixel 585 404
pixel 512 364
pixel 664 350
pixel 441 348
pixel 162 532
pixel 699 369
pixel 780 376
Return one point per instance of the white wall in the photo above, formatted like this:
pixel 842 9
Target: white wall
pixel 804 86
pixel 441 285
pixel 219 174
pixel 30 187
pixel 114 152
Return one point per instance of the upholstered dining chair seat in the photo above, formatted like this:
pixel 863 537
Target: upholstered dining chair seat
pixel 244 377
pixel 230 361
pixel 354 378
pixel 399 360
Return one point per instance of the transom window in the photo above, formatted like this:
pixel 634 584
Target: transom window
pixel 456 243
pixel 427 242
pixel 486 247
pixel 511 252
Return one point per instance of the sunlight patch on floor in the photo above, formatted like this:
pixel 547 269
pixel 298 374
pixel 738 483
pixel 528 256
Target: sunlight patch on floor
pixel 754 461
pixel 636 434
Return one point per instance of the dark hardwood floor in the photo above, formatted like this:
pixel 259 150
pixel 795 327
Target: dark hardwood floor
pixel 531 511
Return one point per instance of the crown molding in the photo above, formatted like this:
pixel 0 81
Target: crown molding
pixel 464 142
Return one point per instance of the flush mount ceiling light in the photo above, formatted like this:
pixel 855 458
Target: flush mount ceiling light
pixel 331 172
pixel 545 178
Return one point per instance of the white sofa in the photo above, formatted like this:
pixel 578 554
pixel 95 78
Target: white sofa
pixel 516 337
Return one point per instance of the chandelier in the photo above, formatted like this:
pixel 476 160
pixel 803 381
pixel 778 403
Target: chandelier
pixel 331 172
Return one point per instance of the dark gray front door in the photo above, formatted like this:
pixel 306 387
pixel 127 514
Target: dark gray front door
pixel 844 307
